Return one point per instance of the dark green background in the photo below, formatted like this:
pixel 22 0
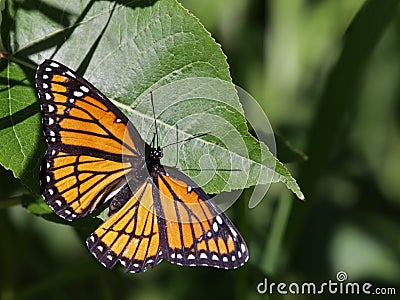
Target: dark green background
pixel 327 75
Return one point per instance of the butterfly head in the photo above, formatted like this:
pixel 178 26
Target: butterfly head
pixel 153 157
pixel 156 153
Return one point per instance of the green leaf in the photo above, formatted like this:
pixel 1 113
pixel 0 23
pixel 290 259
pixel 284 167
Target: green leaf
pixel 126 51
pixel 21 139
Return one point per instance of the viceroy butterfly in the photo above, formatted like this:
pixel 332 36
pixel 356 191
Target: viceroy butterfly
pixel 84 167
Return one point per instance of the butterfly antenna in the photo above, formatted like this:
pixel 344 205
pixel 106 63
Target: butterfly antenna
pixel 187 139
pixel 177 146
pixel 154 116
pixel 152 140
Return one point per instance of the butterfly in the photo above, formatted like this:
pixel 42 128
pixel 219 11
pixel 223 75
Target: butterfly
pixel 95 155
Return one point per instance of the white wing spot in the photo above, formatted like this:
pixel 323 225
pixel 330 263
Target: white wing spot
pixel 70 74
pixel 179 256
pixel 234 233
pixel 189 189
pixel 243 247
pixel 48 165
pixel 48 69
pixel 233 258
pixel 219 220
pixel 191 256
pixel 109 257
pixel 48 96
pixel 123 263
pixel 214 257
pixel 239 254
pixel 215 226
pixel 53 152
pixel 51 108
pixel 58 202
pixel 71 100
pixel 53 140
pixel 52 133
pixel 78 94
pixel 100 248
pixel 45 85
pixel 136 265
pixel 67 212
pixel 51 192
pixel 92 238
pixel 209 234
pixel 45 76
pixel 48 178
pixel 51 121
pixel 225 259
pixel 84 88
pixel 203 255
pixel 118 120
pixel 172 255
pixel 55 65
pixel 149 261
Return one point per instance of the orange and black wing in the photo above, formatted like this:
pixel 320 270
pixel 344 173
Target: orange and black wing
pixel 196 232
pixel 131 235
pixel 167 217
pixel 88 138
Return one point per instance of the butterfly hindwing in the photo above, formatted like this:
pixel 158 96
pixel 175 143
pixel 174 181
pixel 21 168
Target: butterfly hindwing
pixel 168 217
pixel 132 234
pixel 197 232
pixel 74 185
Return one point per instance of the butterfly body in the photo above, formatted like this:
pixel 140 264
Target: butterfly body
pixel 95 155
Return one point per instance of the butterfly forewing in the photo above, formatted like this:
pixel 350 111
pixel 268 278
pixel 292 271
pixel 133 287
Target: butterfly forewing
pixel 86 138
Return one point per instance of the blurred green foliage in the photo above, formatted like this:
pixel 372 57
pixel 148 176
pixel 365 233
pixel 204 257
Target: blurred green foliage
pixel 327 74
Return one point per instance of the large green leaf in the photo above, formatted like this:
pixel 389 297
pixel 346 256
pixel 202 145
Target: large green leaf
pixel 128 50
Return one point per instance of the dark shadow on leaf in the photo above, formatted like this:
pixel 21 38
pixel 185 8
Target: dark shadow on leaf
pixel 7 25
pixel 30 174
pixel 133 3
pixel 62 17
pixel 10 83
pixel 19 116
pixel 27 111
pixel 85 62
pixel 56 39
